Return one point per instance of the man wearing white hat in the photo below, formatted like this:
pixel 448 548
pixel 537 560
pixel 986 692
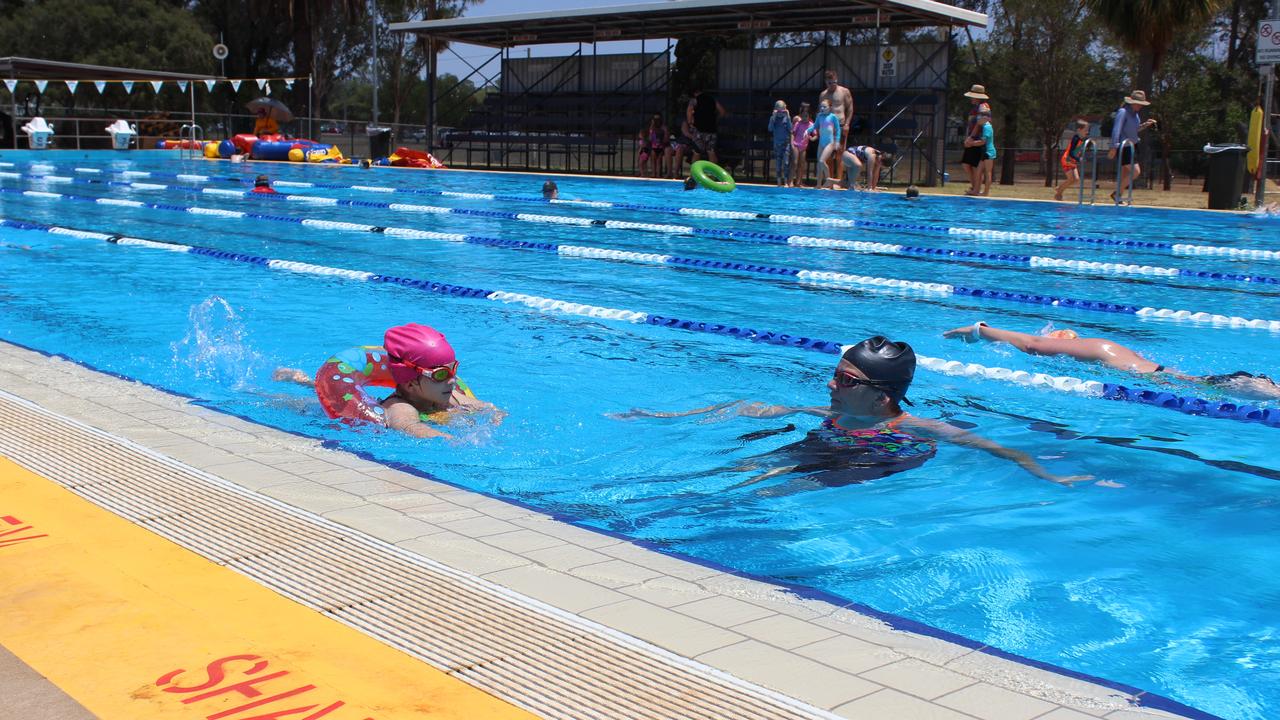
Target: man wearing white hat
pixel 973 156
pixel 1128 124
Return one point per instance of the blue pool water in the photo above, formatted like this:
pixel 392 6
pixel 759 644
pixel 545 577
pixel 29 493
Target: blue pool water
pixel 1166 583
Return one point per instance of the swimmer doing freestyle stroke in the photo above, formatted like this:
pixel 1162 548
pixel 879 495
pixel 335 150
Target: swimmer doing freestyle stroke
pixel 865 434
pixel 1114 355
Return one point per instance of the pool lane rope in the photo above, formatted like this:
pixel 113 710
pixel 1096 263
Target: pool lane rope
pixel 1066 384
pixel 974 233
pixel 819 277
pixel 945 253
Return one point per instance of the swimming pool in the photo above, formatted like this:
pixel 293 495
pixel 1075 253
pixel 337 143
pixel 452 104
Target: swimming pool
pixel 1163 583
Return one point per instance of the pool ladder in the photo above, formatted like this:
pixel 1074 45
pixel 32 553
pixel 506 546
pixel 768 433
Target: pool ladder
pixel 1090 145
pixel 1120 157
pixel 192 133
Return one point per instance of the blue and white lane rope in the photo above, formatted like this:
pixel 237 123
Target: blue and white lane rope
pixel 977 233
pixel 808 276
pixel 1033 261
pixel 1072 385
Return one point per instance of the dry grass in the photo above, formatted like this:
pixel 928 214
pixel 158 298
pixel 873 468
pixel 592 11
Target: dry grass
pixel 1184 195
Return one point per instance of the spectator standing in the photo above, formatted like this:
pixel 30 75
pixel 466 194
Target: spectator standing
pixel 780 127
pixel 1128 124
pixel 973 154
pixel 703 114
pixel 985 144
pixel 841 101
pixel 653 147
pixel 800 126
pixel 681 145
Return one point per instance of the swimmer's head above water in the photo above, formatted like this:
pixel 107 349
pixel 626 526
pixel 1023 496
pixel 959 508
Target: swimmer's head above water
pixel 872 377
pixel 421 361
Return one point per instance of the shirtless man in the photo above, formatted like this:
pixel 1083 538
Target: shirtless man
pixel 841 101
pixel 1112 354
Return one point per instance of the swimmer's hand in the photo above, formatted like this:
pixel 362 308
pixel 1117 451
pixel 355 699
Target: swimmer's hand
pixel 968 333
pixel 1067 480
pixel 292 375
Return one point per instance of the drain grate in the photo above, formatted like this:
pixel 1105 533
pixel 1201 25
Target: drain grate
pixel 533 655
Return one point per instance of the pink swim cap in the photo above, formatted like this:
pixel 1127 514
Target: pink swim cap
pixel 414 348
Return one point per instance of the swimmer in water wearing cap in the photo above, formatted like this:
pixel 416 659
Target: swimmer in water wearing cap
pixel 428 390
pixel 864 424
pixel 1114 355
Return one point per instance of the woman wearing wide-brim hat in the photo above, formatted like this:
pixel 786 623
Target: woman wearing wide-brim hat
pixel 1128 124
pixel 973 156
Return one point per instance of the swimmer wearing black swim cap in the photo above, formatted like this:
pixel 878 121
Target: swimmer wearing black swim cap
pixel 864 423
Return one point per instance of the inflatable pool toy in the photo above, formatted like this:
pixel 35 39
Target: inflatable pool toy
pixel 404 157
pixel 211 150
pixel 324 153
pixel 226 149
pixel 1255 140
pixel 712 177
pixel 296 155
pixel 342 382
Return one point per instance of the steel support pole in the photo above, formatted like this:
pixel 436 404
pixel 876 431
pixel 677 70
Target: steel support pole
pixel 431 94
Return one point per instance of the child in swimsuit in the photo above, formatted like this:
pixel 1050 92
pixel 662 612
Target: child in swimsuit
pixel 1071 158
pixel 780 128
pixel 828 125
pixel 800 126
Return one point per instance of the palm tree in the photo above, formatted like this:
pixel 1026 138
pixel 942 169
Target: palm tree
pixel 1148 26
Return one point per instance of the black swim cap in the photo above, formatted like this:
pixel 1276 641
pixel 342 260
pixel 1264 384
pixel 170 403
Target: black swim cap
pixel 891 365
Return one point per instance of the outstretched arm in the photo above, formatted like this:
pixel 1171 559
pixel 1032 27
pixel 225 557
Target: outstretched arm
pixel 954 434
pixel 733 407
pixel 1030 344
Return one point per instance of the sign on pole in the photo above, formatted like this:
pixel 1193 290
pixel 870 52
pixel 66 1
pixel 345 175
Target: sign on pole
pixel 888 62
pixel 1268 43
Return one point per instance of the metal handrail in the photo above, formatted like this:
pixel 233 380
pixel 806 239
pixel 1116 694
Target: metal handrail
pixel 1119 160
pixel 187 137
pixel 1089 144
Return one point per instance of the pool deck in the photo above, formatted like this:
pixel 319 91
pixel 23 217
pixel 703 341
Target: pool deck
pixel 462 593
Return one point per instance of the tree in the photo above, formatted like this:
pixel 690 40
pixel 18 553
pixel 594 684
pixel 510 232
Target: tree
pixel 126 33
pixel 1149 27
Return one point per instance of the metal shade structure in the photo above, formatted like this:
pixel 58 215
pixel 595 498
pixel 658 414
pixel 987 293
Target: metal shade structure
pixel 21 68
pixel 688 17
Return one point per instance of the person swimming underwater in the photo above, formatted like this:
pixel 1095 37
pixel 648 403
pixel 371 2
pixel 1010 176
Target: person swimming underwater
pixel 424 371
pixel 864 434
pixel 1112 354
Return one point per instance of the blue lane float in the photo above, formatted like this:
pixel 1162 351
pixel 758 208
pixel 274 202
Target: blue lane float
pixel 809 276
pixel 1085 388
pixel 977 233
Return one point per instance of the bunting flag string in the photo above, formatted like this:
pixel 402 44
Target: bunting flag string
pixel 101 85
pixel 208 84
pixel 128 86
pixel 182 85
pixel 235 85
pixel 156 85
pixel 41 85
pixel 288 84
pixel 11 84
pixel 72 85
pixel 262 83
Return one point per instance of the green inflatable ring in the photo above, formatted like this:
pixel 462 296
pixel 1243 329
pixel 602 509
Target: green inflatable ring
pixel 712 177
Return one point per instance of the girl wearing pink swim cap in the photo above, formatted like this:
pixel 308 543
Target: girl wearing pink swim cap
pixel 427 384
pixel 414 359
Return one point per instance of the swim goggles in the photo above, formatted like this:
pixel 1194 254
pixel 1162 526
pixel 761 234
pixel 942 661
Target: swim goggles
pixel 437 374
pixel 849 380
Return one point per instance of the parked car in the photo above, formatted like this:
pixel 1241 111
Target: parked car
pixel 332 129
pixel 417 134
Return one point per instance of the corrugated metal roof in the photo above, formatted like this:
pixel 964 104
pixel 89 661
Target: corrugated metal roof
pixel 684 17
